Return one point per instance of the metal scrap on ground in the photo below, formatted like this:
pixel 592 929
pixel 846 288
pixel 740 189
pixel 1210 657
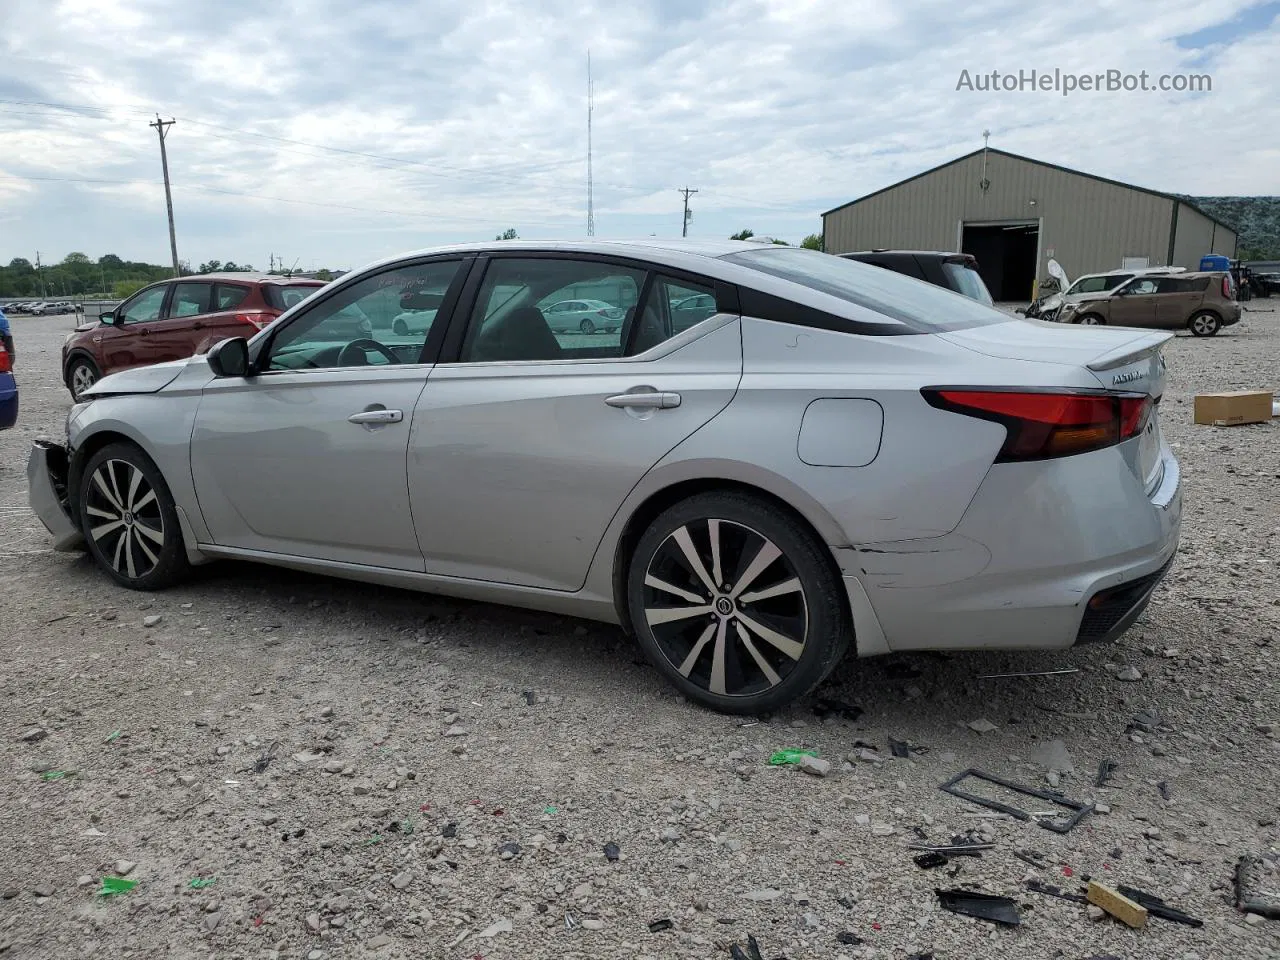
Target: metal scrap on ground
pixel 983 906
pixel 1079 809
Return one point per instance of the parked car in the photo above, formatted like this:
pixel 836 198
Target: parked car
pixel 957 272
pixel 1203 303
pixel 1095 283
pixel 839 457
pixel 688 311
pixel 174 319
pixel 8 391
pixel 583 316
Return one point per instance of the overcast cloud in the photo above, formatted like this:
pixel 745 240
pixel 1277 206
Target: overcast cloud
pixel 462 119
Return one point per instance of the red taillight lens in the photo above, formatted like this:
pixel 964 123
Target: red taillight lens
pixel 1044 425
pixel 6 365
pixel 259 320
pixel 1226 288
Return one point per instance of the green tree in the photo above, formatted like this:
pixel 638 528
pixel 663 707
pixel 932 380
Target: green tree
pixel 812 242
pixel 742 235
pixel 127 288
pixel 209 266
pixel 323 274
pixel 508 234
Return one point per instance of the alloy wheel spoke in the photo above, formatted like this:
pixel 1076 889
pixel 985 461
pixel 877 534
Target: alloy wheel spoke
pixel 99 513
pixel 784 644
pixel 768 593
pixel 658 584
pixel 717 569
pixel 115 483
pixel 101 484
pixel 717 659
pixel 102 530
pixel 686 668
pixel 128 553
pixel 660 615
pixel 146 551
pixel 770 674
pixel 147 498
pixel 135 480
pixel 763 558
pixel 118 557
pixel 142 528
pixel 685 542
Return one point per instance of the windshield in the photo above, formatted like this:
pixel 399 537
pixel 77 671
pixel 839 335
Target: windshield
pixel 965 279
pixel 921 306
pixel 283 297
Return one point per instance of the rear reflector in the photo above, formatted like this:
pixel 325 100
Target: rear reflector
pixel 1226 288
pixel 1044 425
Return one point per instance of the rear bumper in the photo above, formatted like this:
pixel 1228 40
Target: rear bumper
pixel 47 492
pixel 8 401
pixel 1048 555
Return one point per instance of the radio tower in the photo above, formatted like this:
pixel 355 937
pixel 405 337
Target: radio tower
pixel 591 203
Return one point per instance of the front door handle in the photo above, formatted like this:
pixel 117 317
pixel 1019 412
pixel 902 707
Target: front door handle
pixel 647 400
pixel 376 416
pixel 197 325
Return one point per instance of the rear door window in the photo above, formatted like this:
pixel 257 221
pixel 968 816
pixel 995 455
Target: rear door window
pixel 190 299
pixel 228 296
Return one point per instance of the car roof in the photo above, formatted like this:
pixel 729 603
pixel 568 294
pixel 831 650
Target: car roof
pixel 902 253
pixel 243 277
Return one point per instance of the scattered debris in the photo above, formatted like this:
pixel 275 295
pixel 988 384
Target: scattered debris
pixel 113 736
pixel 1049 890
pixel 264 760
pixel 1065 825
pixel 113 885
pixel 927 861
pixel 1042 673
pixel 1117 904
pixel 815 766
pixel 1157 907
pixel 1165 792
pixel 1105 769
pixel 657 926
pixel 612 852
pixel 849 939
pixel 790 755
pixel 1251 897
pixel 983 906
pixel 1054 756
pixel 199 883
pixel 752 952
pixel 982 725
pixel 953 849
pixel 49 775
pixel 34 735
pixel 826 706
pixel 1129 674
pixel 1032 859
pixel 491 931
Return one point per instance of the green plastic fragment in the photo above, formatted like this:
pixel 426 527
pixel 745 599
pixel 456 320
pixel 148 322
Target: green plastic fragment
pixel 790 755
pixel 55 775
pixel 374 840
pixel 114 735
pixel 406 826
pixel 550 809
pixel 199 883
pixel 113 885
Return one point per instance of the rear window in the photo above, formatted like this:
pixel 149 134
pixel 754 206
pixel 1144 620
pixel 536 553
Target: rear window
pixel 966 279
pixel 283 297
pixel 922 307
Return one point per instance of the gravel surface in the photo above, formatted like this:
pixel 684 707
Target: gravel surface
pixel 297 767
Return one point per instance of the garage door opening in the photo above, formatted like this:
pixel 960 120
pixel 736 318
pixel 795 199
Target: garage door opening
pixel 1006 257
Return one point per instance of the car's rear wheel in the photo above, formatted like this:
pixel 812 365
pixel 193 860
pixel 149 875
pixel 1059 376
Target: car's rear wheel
pixel 81 375
pixel 736 602
pixel 129 520
pixel 587 327
pixel 400 328
pixel 1092 320
pixel 1204 324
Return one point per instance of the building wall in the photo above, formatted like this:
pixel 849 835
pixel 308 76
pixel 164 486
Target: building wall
pixel 1198 235
pixel 1089 225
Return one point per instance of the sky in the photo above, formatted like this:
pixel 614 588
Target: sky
pixel 330 134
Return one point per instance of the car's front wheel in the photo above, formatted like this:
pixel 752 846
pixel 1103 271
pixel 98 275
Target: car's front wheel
pixel 1092 320
pixel 587 327
pixel 735 601
pixel 129 519
pixel 1204 324
pixel 81 375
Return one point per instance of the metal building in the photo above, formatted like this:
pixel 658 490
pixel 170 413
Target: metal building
pixel 1013 213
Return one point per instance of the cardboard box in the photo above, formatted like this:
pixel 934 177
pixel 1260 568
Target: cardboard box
pixel 1229 409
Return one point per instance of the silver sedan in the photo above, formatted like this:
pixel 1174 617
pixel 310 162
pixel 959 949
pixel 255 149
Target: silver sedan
pixel 836 457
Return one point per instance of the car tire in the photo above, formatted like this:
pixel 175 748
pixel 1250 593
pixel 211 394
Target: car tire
pixel 82 373
pixel 779 633
pixel 1204 324
pixel 129 519
pixel 400 328
pixel 587 327
pixel 1092 320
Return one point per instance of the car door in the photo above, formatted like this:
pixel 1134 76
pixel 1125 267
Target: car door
pixel 1134 304
pixel 525 443
pixel 222 321
pixel 127 341
pixel 1177 298
pixel 179 333
pixel 306 457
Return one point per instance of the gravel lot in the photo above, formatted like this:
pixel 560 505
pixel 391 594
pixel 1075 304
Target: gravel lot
pixel 415 737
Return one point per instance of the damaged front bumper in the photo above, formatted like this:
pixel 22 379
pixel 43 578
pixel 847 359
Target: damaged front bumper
pixel 47 469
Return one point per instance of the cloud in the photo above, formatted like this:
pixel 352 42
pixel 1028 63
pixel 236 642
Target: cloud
pixel 442 121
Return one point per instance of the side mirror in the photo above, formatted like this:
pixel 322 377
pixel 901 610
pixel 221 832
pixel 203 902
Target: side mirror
pixel 108 317
pixel 230 358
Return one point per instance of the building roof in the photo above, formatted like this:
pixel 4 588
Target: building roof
pixel 1040 163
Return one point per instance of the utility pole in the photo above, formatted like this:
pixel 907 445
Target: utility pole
pixel 39 274
pixel 688 192
pixel 162 127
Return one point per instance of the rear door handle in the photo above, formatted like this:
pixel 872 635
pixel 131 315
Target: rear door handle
pixel 376 416
pixel 647 400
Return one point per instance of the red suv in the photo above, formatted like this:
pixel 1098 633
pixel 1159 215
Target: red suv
pixel 175 319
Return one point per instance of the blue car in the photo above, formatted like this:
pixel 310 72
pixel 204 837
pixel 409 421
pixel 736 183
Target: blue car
pixel 8 385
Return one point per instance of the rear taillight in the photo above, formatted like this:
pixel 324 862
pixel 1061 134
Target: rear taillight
pixel 1226 288
pixel 6 365
pixel 1048 424
pixel 259 320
